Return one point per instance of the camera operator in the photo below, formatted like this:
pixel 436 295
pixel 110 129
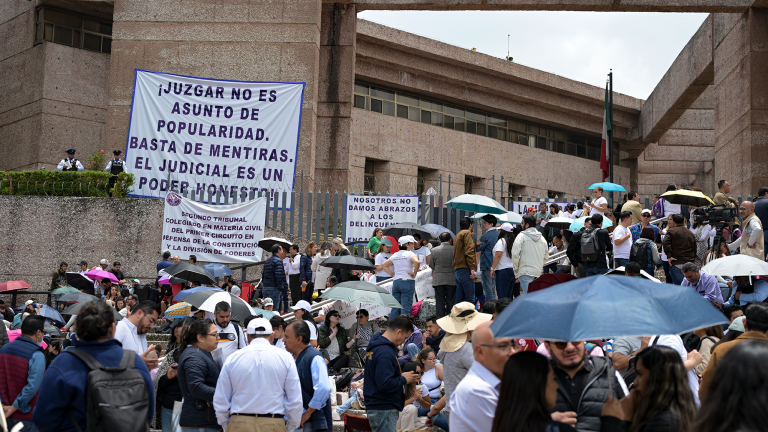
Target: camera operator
pixel 753 232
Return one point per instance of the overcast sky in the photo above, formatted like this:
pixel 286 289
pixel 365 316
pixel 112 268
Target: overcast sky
pixel 583 46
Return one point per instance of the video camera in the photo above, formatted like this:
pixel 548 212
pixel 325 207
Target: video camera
pixel 716 214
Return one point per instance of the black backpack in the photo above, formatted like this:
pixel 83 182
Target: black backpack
pixel 117 397
pixel 590 251
pixel 639 254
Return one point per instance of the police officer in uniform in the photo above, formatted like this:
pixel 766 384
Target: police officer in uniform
pixel 69 163
pixel 115 167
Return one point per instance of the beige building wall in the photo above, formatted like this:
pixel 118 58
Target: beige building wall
pixel 54 96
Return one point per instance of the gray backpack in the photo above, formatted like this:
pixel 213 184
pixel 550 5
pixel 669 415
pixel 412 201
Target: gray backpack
pixel 117 397
pixel 589 248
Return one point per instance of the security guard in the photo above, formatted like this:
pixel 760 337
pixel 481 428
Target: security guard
pixel 115 167
pixel 69 163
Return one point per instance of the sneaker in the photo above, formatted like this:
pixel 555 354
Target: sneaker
pixel 336 416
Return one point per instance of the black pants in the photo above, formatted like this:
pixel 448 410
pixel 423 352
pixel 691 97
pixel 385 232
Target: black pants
pixel 339 362
pixel 295 286
pixel 112 181
pixel 445 297
pixel 308 291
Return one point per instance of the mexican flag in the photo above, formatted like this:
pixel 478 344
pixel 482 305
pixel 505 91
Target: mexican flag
pixel 604 162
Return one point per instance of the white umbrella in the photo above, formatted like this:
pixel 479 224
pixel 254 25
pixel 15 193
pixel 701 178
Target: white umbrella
pixel 210 303
pixel 736 265
pixel 476 203
pixel 510 217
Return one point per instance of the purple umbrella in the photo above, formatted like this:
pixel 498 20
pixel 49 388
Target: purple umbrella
pixel 101 275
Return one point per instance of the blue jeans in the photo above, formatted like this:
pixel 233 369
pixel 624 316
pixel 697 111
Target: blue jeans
pixel 274 294
pixel 620 262
pixel 677 275
pixel 346 405
pixel 285 305
pixel 465 286
pixel 424 411
pixel 441 421
pixel 382 278
pixel 526 280
pixel 402 291
pixel 166 418
pixel 667 275
pixel 383 420
pixel 27 425
pixel 596 271
pixel 552 267
pixel 505 282
pixel 489 285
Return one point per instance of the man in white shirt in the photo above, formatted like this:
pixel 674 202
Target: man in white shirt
pixel 622 240
pixel 230 336
pixel 131 332
pixel 690 359
pixel 599 205
pixel 753 233
pixel 473 403
pixel 258 387
pixel 292 263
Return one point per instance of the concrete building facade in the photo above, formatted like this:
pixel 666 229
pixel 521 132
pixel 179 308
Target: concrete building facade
pixel 386 110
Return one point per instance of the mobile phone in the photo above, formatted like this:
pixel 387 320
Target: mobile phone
pixel 174 366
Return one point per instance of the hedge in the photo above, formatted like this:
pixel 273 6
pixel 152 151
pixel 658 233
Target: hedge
pixel 63 183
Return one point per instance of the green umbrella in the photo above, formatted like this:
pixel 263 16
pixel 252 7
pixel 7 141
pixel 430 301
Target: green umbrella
pixel 65 290
pixel 477 204
pixel 362 292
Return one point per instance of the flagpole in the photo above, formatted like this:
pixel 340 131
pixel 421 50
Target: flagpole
pixel 610 131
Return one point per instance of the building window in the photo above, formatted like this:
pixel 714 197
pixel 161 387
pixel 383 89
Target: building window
pixel 468 181
pixel 420 182
pixel 75 30
pixel 369 180
pixel 436 113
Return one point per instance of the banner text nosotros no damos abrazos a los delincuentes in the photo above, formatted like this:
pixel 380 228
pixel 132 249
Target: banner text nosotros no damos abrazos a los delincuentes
pixel 212 136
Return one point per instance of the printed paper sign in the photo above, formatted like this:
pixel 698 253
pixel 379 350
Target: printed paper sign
pixel 366 212
pixel 212 135
pixel 213 233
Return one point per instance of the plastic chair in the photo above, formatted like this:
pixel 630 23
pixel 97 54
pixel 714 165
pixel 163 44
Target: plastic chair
pixel 356 424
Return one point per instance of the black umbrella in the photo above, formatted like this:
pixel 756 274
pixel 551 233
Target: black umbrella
pixel 79 281
pixel 407 228
pixel 190 272
pixel 239 308
pixel 348 262
pixel 77 298
pixel 75 308
pixel 51 329
pixel 268 242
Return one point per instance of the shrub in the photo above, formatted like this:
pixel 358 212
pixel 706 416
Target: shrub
pixel 63 183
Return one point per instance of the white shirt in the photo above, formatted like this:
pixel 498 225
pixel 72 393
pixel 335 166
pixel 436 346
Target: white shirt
pixel 473 403
pixel 402 264
pixel 422 253
pixel 312 330
pixel 755 231
pixel 259 379
pixel 126 333
pixel 67 162
pixel 670 209
pixel 505 262
pixel 123 312
pixel 279 343
pixel 235 290
pixel 293 268
pixel 554 250
pixel 676 343
pixel 379 260
pixel 621 250
pixel 598 202
pixel 228 339
pixel 108 168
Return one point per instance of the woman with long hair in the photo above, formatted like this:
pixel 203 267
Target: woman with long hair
pixel 306 275
pixel 167 390
pixel 708 336
pixel 340 249
pixel 197 374
pixel 432 376
pixel 383 254
pixel 321 272
pixel 501 268
pixel 415 397
pixel 373 244
pixel 661 400
pixel 113 295
pixel 737 395
pixel 334 340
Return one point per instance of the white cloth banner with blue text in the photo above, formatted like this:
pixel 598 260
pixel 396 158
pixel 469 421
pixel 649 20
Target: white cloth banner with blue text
pixel 366 212
pixel 212 135
pixel 213 233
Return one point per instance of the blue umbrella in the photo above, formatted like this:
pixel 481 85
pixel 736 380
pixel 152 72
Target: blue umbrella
pixel 218 270
pixel 264 313
pixel 606 306
pixel 187 292
pixel 608 187
pixel 578 224
pixel 52 314
pixel 436 230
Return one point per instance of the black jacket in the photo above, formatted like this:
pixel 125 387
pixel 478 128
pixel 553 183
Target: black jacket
pixel 198 373
pixel 574 249
pixel 665 421
pixel 590 406
pixel 761 210
pixel 604 244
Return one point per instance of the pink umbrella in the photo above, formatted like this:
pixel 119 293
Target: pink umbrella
pixel 14 285
pixel 101 275
pixel 165 280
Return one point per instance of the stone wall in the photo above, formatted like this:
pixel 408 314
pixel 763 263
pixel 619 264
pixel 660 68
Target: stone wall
pixel 40 232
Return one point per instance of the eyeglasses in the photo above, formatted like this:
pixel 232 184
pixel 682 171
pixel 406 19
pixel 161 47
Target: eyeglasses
pixel 212 334
pixel 502 346
pixel 562 345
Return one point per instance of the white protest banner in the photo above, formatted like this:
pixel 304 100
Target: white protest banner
pixel 348 310
pixel 212 135
pixel 366 212
pixel 213 233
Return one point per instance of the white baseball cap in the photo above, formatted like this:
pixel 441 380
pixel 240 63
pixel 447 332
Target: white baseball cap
pixel 268 302
pixel 506 226
pixel 29 302
pixel 646 211
pixel 104 261
pixel 259 326
pixel 301 304
pixel 406 239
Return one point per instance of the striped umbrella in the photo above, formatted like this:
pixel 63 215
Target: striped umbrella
pixel 180 309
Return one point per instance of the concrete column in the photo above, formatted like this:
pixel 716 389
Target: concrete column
pixel 257 40
pixel 741 109
pixel 336 169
